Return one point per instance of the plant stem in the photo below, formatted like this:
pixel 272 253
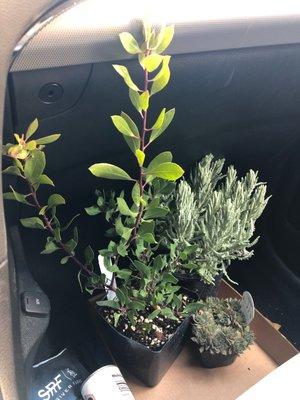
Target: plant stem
pixel 49 227
pixel 142 148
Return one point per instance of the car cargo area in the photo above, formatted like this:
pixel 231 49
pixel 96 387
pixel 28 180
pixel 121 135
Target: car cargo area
pixel 239 104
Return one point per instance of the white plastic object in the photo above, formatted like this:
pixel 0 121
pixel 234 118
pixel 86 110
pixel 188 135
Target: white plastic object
pixel 110 294
pixel 106 383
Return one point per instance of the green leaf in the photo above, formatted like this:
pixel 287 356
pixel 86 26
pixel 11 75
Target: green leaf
pixel 18 164
pixel 135 99
pixel 158 263
pixel 124 209
pixel 88 255
pixel 167 170
pixel 192 308
pixel 132 126
pixel 121 296
pixel 162 78
pixel 45 180
pixel 169 278
pixel 129 43
pixel 48 139
pixel 50 247
pixel 71 245
pixel 75 234
pixel 116 319
pixel 135 194
pixel 122 249
pixel 109 171
pixel 55 200
pixel 33 223
pixel 142 268
pixel 149 238
pixel 144 100
pixel 21 198
pixel 146 227
pixel 164 38
pixel 123 71
pixel 151 62
pixel 57 234
pixel 169 115
pixel 124 274
pixel 140 155
pixel 100 202
pixel 64 260
pixel 137 305
pixel 160 120
pixel 35 166
pixel 122 126
pixel 167 312
pixel 163 157
pixel 133 142
pixel 43 210
pixel 32 128
pixel 31 145
pixel 12 170
pixel 156 212
pixel 122 230
pixel 154 314
pixel 147 30
pixel 93 210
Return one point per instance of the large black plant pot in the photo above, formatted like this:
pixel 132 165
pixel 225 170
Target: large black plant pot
pixel 149 366
pixel 194 283
pixel 209 360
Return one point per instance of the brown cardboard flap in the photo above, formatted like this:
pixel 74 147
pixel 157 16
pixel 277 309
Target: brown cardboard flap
pixel 267 337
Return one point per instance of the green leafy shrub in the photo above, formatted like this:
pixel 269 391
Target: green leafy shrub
pixel 134 254
pixel 219 327
pixel 145 283
pixel 28 161
pixel 212 219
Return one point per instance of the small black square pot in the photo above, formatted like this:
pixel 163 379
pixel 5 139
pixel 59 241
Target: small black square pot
pixel 209 360
pixel 149 366
pixel 194 283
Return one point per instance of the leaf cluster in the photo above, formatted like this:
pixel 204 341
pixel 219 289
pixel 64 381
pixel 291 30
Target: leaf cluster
pixel 219 327
pixel 212 218
pixel 28 160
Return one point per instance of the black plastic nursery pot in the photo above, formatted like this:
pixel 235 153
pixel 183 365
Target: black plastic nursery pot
pixel 194 283
pixel 149 366
pixel 209 360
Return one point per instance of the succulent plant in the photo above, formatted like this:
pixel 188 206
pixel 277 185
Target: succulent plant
pixel 219 327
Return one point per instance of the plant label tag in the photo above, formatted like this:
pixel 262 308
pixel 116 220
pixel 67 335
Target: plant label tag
pixel 247 306
pixel 110 294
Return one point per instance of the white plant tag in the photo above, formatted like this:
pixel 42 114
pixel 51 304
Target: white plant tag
pixel 110 294
pixel 247 306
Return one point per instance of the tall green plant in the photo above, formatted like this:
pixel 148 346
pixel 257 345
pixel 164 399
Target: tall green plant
pixel 133 254
pixel 139 138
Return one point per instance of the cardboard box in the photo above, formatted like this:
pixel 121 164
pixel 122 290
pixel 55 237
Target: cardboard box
pixel 186 379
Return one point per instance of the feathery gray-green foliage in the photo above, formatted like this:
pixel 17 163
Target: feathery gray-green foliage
pixel 213 218
pixel 219 327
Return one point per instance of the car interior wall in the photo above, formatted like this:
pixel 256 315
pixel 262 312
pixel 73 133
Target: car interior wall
pixel 239 104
